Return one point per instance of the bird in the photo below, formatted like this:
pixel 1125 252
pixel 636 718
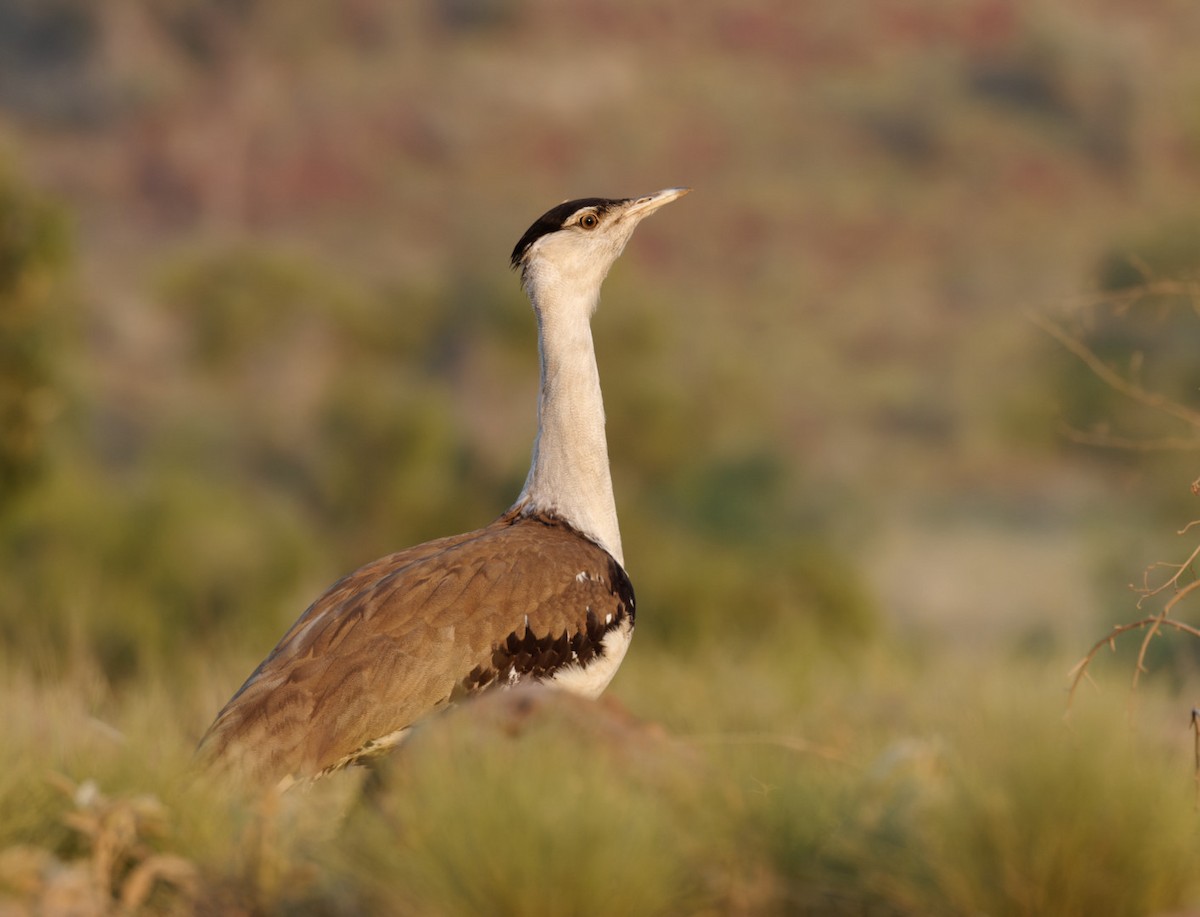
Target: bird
pixel 538 596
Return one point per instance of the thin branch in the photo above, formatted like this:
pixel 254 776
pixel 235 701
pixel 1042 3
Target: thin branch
pixel 1129 384
pixel 1079 670
pixel 1181 595
pixel 1112 378
pixel 1147 591
pixel 1129 444
pixel 1123 300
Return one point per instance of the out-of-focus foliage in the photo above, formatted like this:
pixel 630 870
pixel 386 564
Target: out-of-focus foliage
pixel 47 57
pixel 33 253
pixel 523 803
pixel 1146 325
pixel 133 576
pixel 312 407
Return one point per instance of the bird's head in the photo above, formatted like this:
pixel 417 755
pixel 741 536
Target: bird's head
pixel 568 250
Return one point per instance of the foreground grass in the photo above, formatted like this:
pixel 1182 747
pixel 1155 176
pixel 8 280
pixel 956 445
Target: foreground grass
pixel 875 786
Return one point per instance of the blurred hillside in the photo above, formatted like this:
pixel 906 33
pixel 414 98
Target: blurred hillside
pixel 258 327
pixel 291 229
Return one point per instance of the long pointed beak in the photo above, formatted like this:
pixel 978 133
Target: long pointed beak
pixel 644 206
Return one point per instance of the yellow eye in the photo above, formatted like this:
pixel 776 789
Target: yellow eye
pixel 589 221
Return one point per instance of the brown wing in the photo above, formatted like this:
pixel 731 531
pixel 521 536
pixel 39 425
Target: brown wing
pixel 410 632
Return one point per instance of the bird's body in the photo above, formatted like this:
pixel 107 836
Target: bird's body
pixel 541 594
pixel 416 630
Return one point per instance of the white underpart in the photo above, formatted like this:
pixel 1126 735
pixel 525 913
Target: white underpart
pixel 593 679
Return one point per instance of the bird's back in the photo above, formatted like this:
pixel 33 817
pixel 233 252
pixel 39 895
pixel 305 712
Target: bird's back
pixel 526 597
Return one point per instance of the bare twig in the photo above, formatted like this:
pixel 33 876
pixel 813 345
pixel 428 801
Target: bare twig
pixel 1148 591
pixel 1158 621
pixel 1079 670
pixel 1129 384
pixel 1108 440
pixel 1153 624
pixel 1114 379
pixel 1124 300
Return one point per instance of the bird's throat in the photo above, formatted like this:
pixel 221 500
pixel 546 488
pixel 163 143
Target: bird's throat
pixel 569 475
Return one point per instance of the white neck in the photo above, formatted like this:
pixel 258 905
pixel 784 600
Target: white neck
pixel 569 475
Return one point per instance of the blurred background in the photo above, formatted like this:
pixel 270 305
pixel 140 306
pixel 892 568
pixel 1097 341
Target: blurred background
pixel 257 327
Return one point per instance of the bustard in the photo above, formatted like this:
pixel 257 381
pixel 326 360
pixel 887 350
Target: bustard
pixel 539 595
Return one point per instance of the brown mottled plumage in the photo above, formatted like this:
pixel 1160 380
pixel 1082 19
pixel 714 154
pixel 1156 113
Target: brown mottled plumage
pixel 349 660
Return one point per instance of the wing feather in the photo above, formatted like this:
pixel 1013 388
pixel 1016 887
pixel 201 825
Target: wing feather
pixel 406 634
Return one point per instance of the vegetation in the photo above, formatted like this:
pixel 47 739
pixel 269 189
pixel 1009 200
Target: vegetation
pixel 32 251
pixel 256 328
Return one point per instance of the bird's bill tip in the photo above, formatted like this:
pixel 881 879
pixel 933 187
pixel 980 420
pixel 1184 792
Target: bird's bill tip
pixel 643 206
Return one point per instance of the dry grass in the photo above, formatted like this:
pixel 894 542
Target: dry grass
pixel 934 786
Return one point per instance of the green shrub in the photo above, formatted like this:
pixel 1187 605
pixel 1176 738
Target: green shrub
pixel 33 260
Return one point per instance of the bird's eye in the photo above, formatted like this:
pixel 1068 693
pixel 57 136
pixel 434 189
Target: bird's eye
pixel 589 221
